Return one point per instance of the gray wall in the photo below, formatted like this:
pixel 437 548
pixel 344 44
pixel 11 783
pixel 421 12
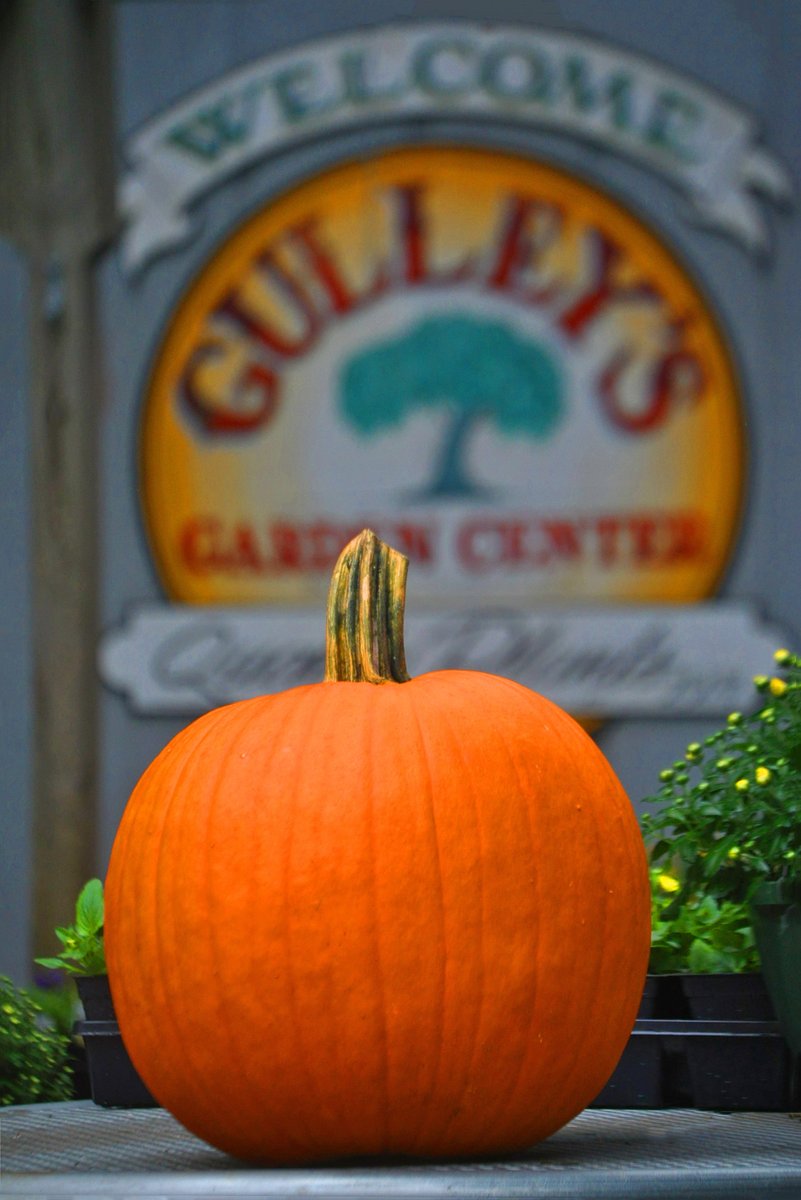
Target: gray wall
pixel 747 49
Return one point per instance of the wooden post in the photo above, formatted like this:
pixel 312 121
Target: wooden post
pixel 57 203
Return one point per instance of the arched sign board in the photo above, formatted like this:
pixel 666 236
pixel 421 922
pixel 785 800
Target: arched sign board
pixel 494 363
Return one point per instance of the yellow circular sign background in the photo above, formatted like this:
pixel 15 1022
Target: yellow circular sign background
pixel 698 455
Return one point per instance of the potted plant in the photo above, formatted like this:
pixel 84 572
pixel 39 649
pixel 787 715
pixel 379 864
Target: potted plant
pixel 114 1080
pixel 720 1045
pixel 696 1043
pixel 729 826
pixel 704 961
pixel 34 1052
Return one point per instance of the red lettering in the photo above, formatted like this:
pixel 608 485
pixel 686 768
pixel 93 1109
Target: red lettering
pixel 607 530
pixel 286 546
pixel 603 289
pixel 643 536
pixel 246 550
pixel 206 544
pixel 482 544
pixel 513 534
pixel 326 542
pixel 328 273
pixel 562 537
pixel 416 542
pixel 677 377
pixel 257 328
pixel 687 537
pixel 477 545
pixel 415 240
pixel 487 544
pixel 251 402
pixel 198 544
pixel 519 249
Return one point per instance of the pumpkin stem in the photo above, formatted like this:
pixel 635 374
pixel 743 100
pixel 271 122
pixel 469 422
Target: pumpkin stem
pixel 364 625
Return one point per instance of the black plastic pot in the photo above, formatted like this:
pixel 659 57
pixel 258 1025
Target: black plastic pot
pixel 669 1000
pixel 730 1066
pixel 736 1066
pixel 637 1081
pixel 728 997
pixel 649 997
pixel 776 916
pixel 113 1078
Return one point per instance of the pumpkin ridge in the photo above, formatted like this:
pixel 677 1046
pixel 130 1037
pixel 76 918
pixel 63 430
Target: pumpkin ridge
pixel 596 949
pixel 636 858
pixel 479 1139
pixel 443 715
pixel 165 905
pixel 572 727
pixel 292 800
pixel 633 848
pixel 617 799
pixel 242 1062
pixel 442 990
pixel 171 808
pixel 342 1117
pixel 212 784
pixel 521 1062
pixel 287 1124
pixel 367 756
pixel 157 912
pixel 563 729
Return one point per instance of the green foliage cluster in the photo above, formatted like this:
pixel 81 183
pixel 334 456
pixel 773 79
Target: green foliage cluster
pixel 58 1001
pixel 82 943
pixel 34 1064
pixel 701 935
pixel 729 815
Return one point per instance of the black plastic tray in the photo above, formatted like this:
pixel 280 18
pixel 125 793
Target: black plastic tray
pixel 726 1066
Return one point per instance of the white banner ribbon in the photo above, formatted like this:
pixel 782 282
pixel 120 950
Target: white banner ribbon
pixel 658 661
pixel 555 81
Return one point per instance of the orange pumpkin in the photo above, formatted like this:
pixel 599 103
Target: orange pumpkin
pixel 376 915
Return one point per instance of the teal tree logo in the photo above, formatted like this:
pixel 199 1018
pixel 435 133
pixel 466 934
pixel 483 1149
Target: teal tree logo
pixel 477 370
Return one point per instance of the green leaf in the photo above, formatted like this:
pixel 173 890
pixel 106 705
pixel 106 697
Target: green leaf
pixel 710 810
pixel 89 907
pixel 707 910
pixel 703 959
pixel 95 962
pixel 53 964
pixel 717 856
pixel 672 909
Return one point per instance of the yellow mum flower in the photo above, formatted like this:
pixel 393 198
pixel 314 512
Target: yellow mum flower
pixel 742 785
pixel 762 775
pixel 781 656
pixel 668 883
pixel 777 686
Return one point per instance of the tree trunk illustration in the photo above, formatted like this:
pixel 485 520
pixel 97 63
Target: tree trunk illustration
pixel 450 477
